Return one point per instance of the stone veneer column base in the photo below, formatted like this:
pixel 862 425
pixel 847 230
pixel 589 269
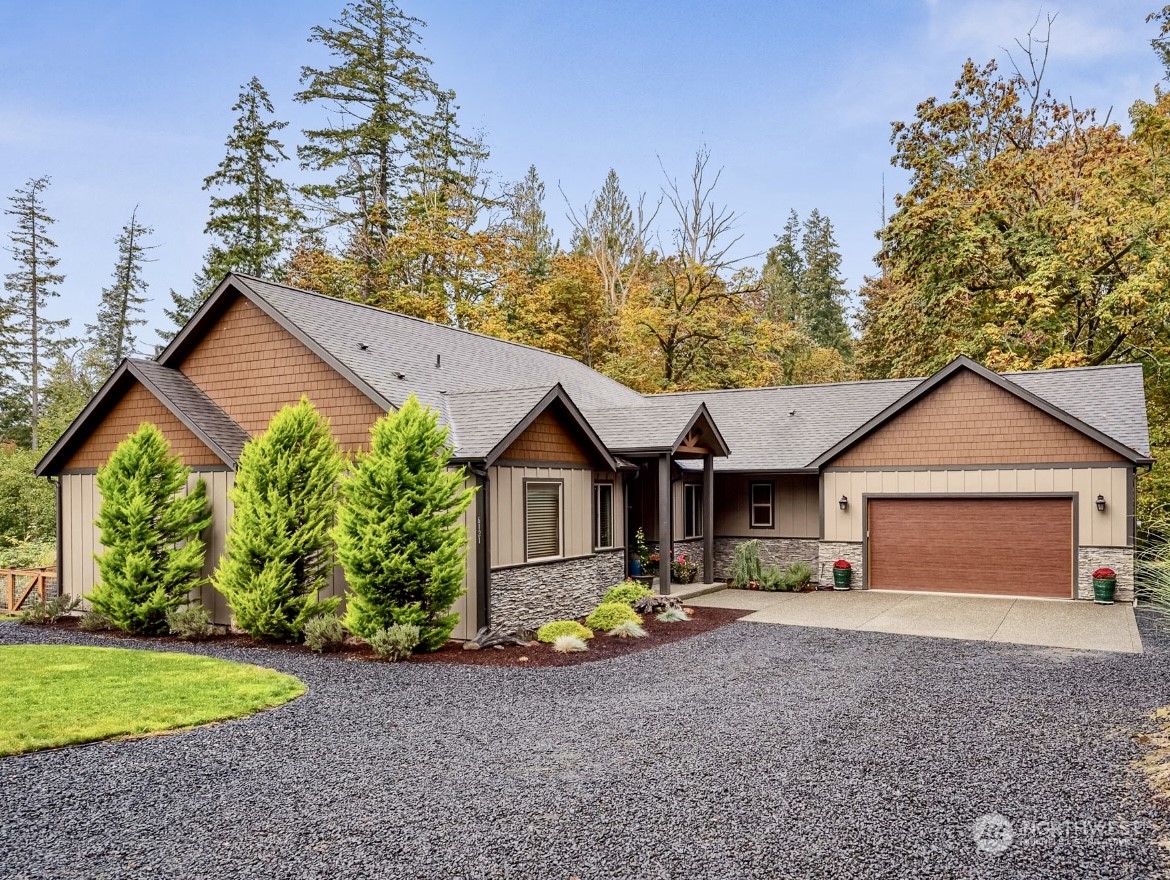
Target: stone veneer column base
pixel 1120 559
pixel 829 552
pixel 781 552
pixel 530 595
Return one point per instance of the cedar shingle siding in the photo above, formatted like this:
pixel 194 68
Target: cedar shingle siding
pixel 251 367
pixel 968 420
pixel 137 405
pixel 548 438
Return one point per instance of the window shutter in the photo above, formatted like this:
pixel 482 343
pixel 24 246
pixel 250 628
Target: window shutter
pixel 543 520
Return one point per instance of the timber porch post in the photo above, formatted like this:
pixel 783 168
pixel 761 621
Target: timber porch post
pixel 665 538
pixel 708 518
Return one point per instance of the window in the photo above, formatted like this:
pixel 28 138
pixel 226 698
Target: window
pixel 692 510
pixel 602 516
pixel 761 503
pixel 542 520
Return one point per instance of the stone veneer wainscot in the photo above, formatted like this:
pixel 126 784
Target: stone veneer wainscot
pixel 781 552
pixel 530 595
pixel 829 552
pixel 1120 559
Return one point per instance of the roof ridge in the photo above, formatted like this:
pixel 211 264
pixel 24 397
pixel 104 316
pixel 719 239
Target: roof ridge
pixel 487 389
pixel 847 382
pixel 1083 369
pixel 426 321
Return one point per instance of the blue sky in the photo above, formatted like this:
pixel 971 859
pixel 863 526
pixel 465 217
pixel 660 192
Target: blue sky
pixel 128 103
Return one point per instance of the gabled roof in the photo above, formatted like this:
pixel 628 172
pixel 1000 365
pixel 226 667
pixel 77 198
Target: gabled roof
pixel 1015 388
pixel 174 391
pixel 657 425
pixel 485 422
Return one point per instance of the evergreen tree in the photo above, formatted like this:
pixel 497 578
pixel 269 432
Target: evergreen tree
pixel 279 550
pixel 381 89
pixel 783 273
pixel 112 337
pixel 398 533
pixel 613 235
pixel 254 217
pixel 823 294
pixel 150 531
pixel 527 226
pixel 29 289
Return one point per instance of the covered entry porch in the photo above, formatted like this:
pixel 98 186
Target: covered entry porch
pixel 670 488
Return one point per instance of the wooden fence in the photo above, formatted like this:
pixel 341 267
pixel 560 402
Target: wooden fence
pixel 20 583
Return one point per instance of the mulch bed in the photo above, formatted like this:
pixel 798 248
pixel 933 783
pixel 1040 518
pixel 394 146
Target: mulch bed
pixel 601 646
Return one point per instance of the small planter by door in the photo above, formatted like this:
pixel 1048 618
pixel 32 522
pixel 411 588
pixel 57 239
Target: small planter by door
pixel 1104 590
pixel 842 578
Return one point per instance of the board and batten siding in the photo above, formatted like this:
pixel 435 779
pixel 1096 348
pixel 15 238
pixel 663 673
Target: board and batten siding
pixel 795 512
pixel 81 540
pixel 506 497
pixel 1095 528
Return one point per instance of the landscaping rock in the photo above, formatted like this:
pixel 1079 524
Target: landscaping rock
pixel 749 751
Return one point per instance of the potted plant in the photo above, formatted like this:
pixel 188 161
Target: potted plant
pixel 683 571
pixel 1104 586
pixel 842 574
pixel 641 555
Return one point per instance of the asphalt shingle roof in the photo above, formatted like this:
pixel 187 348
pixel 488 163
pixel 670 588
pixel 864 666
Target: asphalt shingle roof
pixel 483 386
pixel 186 397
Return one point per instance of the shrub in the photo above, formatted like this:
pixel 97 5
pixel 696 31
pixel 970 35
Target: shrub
pixel 627 629
pixel 150 531
pixel 627 592
pixel 27 554
pixel 797 575
pixel 673 615
pixel 569 645
pixel 551 631
pixel 395 642
pixel 399 536
pixel 772 579
pixel 842 563
pixel 1104 574
pixel 607 615
pixel 324 633
pixel 746 566
pixel 91 621
pixel 38 613
pixel 279 553
pixel 192 624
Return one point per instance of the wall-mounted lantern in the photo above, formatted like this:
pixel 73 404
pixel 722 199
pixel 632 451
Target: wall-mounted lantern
pixel 1101 503
pixel 844 502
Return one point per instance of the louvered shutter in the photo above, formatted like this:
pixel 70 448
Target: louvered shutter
pixel 542 502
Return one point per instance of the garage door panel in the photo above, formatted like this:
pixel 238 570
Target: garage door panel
pixel 1007 546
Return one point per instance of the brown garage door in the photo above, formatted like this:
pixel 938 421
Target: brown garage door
pixel 1009 546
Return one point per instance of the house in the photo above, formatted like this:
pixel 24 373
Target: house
pixel 967 481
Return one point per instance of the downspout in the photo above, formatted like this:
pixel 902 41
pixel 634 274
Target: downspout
pixel 483 558
pixel 60 542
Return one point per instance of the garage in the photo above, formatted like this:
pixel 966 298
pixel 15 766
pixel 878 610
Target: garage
pixel 1015 546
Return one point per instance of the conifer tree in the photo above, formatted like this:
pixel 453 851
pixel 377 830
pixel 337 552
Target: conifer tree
pixel 823 292
pixel 112 337
pixel 150 527
pixel 399 538
pixel 29 290
pixel 253 216
pixel 381 88
pixel 527 225
pixel 279 548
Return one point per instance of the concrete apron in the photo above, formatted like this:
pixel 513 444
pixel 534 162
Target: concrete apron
pixel 1054 623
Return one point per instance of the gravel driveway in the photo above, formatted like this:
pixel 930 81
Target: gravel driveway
pixel 751 751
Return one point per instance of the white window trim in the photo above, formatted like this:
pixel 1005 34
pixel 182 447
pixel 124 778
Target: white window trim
pixel 612 514
pixel 690 489
pixel 752 505
pixel 560 487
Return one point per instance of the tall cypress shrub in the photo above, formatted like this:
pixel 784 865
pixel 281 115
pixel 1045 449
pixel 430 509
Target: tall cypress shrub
pixel 279 551
pixel 150 531
pixel 398 533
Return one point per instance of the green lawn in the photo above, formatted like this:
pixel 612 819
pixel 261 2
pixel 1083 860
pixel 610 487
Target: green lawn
pixel 52 695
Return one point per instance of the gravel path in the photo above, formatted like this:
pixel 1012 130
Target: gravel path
pixel 752 751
